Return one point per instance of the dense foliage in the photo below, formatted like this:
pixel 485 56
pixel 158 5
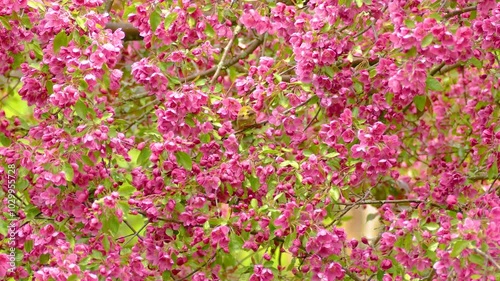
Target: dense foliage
pixel 126 154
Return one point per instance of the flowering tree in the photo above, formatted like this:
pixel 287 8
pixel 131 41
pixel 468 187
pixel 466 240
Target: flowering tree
pixel 123 158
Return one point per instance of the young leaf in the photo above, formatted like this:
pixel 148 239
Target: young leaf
pixel 114 224
pixel 144 156
pixel 61 40
pixel 459 246
pixel 169 20
pixel 433 84
pixel 427 40
pixel 420 102
pixel 81 109
pixel 184 160
pixel 209 30
pixel 155 19
pixel 493 171
pixel 432 226
pixel 68 172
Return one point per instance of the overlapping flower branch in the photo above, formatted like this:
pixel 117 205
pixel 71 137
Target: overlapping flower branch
pixel 297 217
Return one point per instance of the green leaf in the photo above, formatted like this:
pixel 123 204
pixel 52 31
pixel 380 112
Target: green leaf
pixel 433 84
pixel 313 100
pixel 412 52
pixel 329 71
pixel 270 151
pixel 359 3
pixel 144 156
pixel 427 40
pixel 49 85
pixel 5 23
pixel 477 259
pixel 432 247
pixel 326 27
pixel 87 160
pixel 81 23
pixel 289 163
pixel 28 246
pixel 332 155
pixel 380 275
pixel 31 212
pixel 254 203
pixel 155 19
pixel 493 171
pixel 209 30
pixel 432 226
pixel 166 275
pixel 254 183
pixel 129 9
pixel 184 160
pixel 68 172
pixel 371 217
pixel 410 23
pixel 113 224
pixel 44 258
pixel 61 40
pixel 81 109
pixel 73 277
pixel 205 138
pixel 105 243
pixel 334 193
pixel 458 247
pixel 18 59
pixel 4 140
pixel 35 46
pixel 170 19
pixel 477 63
pixel 420 102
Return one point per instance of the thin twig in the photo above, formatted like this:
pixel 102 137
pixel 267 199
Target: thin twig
pixel 109 4
pixel 369 26
pixel 131 228
pixel 459 12
pixel 198 268
pixel 312 120
pixel 131 33
pixel 224 54
pixel 382 202
pixel 251 47
pixel 493 183
pixel 136 234
pixel 436 69
pixel 431 275
pixel 263 49
pixel 347 209
pixel 138 96
pixel 140 119
pixel 300 105
pixel 351 274
pixel 488 257
pixel 449 68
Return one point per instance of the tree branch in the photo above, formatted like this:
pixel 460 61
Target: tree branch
pixel 459 12
pixel 251 47
pixel 131 33
pixel 436 69
pixel 355 62
pixel 108 5
pixel 198 268
pixel 224 54
pixel 488 257
pixel 352 275
pixel 382 202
